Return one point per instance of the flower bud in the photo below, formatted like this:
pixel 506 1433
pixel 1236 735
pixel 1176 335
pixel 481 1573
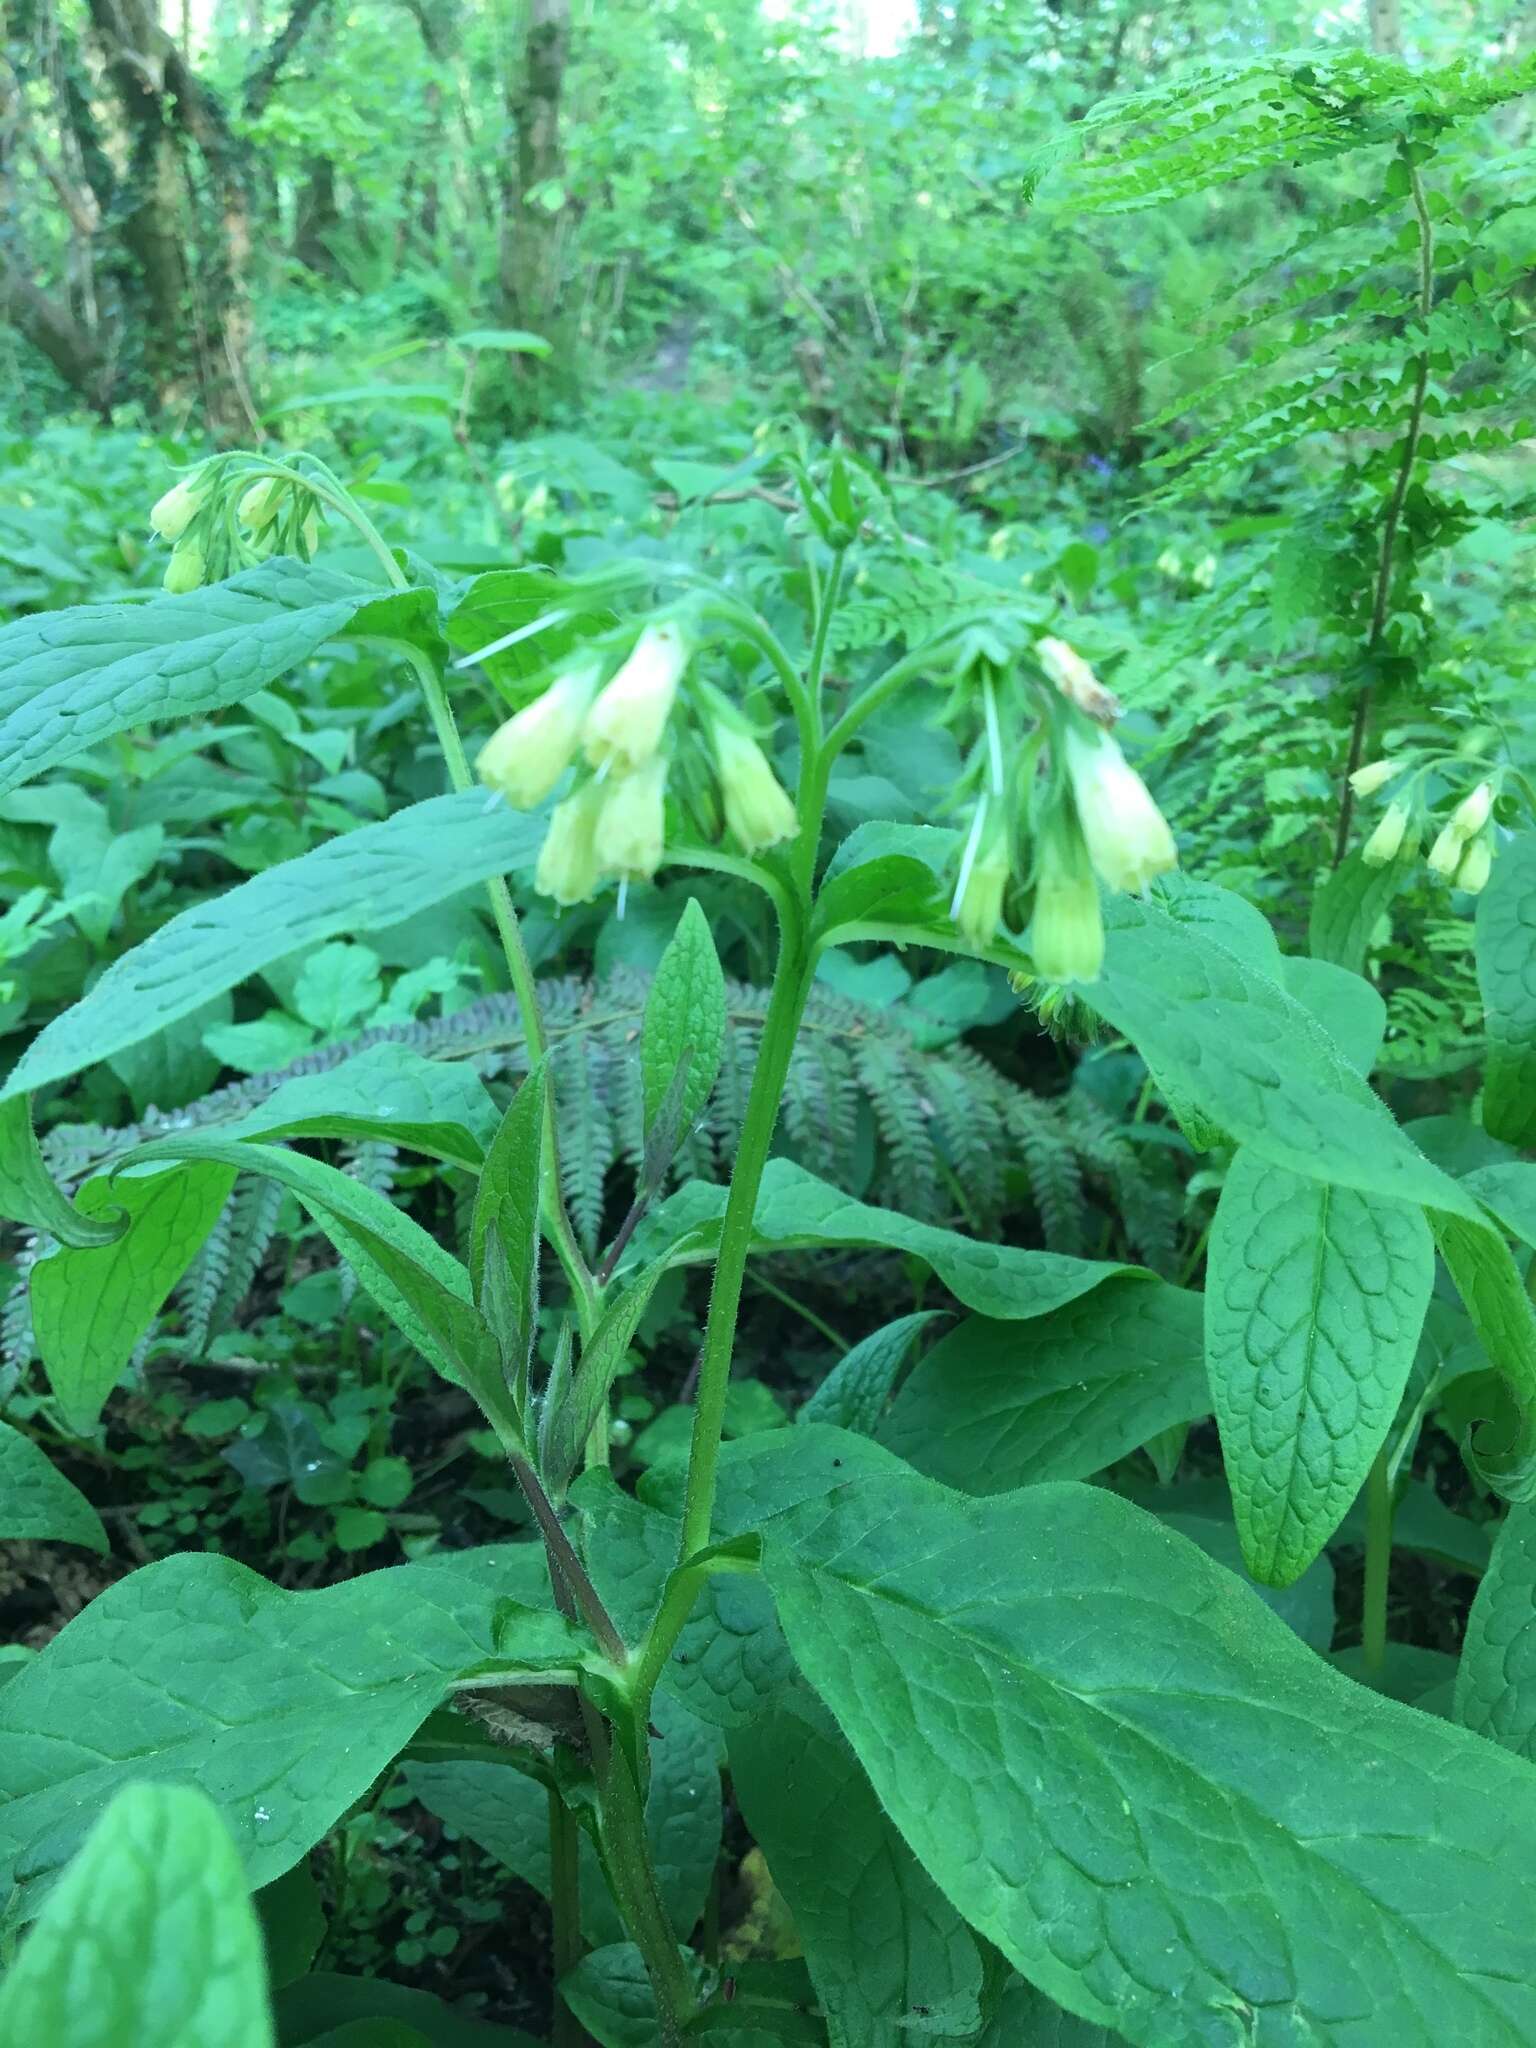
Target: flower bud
pixel 625 725
pixel 310 534
pixel 184 571
pixel 526 757
pixel 978 904
pixel 1127 835
pixel 1066 937
pixel 261 504
pixel 1445 854
pixel 172 513
pixel 1471 814
pixel 1375 775
pixel 1476 866
pixel 630 825
pixel 758 809
pixel 1385 843
pixel 568 868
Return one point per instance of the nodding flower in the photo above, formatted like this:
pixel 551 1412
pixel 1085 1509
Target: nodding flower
pixel 1066 937
pixel 1127 836
pixel 1373 776
pixel 759 811
pixel 630 823
pixel 172 513
pixel 978 904
pixel 569 869
pixel 624 727
pixel 1385 843
pixel 526 757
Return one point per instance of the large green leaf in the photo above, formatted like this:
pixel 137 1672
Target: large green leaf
pixel 1314 1299
pixel 28 1193
pixel 386 1091
pixel 282 1706
pixel 1506 973
pixel 855 1392
pixel 993 1406
pixel 1348 906
pixel 1252 1059
pixel 798 1212
pixel 150 1938
pixel 69 680
pixel 323 2003
pixel 376 876
pixel 886 1949
pixel 1496 1679
pixel 90 1307
pixel 684 1022
pixel 37 1502
pixel 1166 1811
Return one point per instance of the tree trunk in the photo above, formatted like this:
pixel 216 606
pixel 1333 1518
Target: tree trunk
pixel 1386 18
pixel 530 226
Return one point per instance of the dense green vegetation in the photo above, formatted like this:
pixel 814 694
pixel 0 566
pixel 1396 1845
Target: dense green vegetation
pixel 767 1025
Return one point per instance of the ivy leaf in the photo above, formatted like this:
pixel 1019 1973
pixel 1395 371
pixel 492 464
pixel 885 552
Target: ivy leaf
pixel 282 1706
pixel 91 1306
pixel 376 876
pixel 1506 974
pixel 992 1406
pixel 1314 1299
pixel 37 1502
pixel 149 1937
pixel 71 679
pixel 1086 1731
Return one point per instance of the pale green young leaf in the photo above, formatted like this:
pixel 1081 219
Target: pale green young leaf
pixel 994 1405
pixel 37 1502
pixel 282 1706
pixel 1506 973
pixel 90 1307
pixel 71 679
pixel 149 1937
pixel 1087 1732
pixel 1314 1300
pixel 684 1021
pixel 365 880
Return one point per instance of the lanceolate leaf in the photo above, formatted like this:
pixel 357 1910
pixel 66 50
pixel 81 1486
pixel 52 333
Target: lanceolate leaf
pixel 1506 973
pixel 1314 1299
pixel 504 1233
pixel 90 1308
pixel 69 680
pixel 684 1021
pixel 363 881
pixel 1348 907
pixel 149 1938
pixel 38 1502
pixel 27 1191
pixel 282 1706
pixel 995 1405
pixel 1165 1810
pixel 1496 1679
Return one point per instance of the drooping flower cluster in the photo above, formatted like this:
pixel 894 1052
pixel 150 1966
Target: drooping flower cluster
pixel 1093 821
pixel 618 733
pixel 1462 853
pixel 211 531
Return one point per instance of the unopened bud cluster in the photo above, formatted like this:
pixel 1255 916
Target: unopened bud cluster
pixel 617 732
pixel 215 521
pixel 1462 853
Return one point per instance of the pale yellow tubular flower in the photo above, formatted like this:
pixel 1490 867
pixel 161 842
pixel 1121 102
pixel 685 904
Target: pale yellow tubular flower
pixel 526 757
pixel 260 505
pixel 631 823
pixel 1476 866
pixel 759 811
pixel 1127 835
pixel 1472 813
pixel 978 906
pixel 184 571
pixel 1075 679
pixel 568 868
pixel 1385 843
pixel 625 725
pixel 1066 937
pixel 172 512
pixel 1375 775
pixel 1445 854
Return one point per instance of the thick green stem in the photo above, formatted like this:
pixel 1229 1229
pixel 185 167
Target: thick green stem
pixel 633 1879
pixel 565 1909
pixel 1378 1568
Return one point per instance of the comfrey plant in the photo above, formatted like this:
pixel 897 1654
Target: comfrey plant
pixel 1028 1761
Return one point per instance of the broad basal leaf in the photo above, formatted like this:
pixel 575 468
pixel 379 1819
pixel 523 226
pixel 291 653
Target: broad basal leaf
pixel 281 1706
pixel 91 1307
pixel 1314 1299
pixel 1124 1771
pixel 995 1405
pixel 1506 973
pixel 37 1502
pixel 71 679
pixel 376 876
pixel 150 1938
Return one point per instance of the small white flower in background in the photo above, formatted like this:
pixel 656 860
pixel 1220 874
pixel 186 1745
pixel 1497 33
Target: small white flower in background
pixel 1471 814
pixel 185 569
pixel 631 822
pixel 173 512
pixel 1127 835
pixel 1375 775
pixel 1203 575
pixel 1385 843
pixel 1476 866
pixel 759 811
pixel 526 757
pixel 624 727
pixel 568 868
pixel 978 905
pixel 1066 937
